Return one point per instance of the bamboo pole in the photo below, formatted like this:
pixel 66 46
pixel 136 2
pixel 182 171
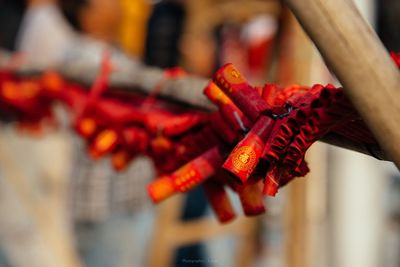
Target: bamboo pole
pixel 357 57
pixel 298 58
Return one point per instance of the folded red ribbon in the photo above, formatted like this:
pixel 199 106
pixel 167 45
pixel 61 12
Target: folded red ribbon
pixel 254 144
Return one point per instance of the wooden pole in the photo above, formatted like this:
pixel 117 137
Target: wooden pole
pixel 361 63
pixel 298 58
pixel 171 233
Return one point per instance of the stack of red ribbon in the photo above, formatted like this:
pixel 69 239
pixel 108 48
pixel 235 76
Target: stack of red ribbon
pixel 269 129
pixel 254 144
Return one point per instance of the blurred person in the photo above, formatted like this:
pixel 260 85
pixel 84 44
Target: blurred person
pixel 44 35
pixel 104 205
pixel 11 13
pixel 388 21
pixel 52 32
pixel 49 30
pixel 133 26
pixel 165 28
pixel 121 23
pixel 96 18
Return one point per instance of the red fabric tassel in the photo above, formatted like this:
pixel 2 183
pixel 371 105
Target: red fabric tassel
pixel 236 87
pixel 246 155
pixel 219 201
pixel 187 177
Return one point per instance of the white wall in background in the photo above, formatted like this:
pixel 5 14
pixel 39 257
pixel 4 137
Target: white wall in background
pixel 357 193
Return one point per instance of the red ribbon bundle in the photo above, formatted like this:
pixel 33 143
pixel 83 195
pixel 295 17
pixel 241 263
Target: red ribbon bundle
pixel 254 144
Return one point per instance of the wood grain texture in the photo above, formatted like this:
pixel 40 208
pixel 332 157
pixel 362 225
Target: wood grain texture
pixel 357 57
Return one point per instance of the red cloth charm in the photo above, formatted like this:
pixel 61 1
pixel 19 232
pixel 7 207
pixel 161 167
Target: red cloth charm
pixel 254 144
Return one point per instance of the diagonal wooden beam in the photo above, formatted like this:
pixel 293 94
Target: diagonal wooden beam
pixel 355 54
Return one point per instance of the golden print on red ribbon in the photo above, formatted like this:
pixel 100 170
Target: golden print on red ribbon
pixel 244 158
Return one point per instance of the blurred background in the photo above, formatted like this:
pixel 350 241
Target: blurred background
pixel 60 208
